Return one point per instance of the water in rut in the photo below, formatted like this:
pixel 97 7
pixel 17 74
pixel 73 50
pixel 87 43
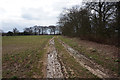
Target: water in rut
pixel 53 65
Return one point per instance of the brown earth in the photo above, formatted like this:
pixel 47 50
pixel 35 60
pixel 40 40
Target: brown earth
pixel 108 50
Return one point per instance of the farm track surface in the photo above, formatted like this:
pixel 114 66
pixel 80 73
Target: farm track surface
pixel 93 67
pixel 53 66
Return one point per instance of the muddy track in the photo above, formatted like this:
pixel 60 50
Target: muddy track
pixel 93 67
pixel 53 65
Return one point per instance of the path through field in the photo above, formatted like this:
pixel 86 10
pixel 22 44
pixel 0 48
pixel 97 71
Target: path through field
pixel 54 57
pixel 86 63
pixel 54 67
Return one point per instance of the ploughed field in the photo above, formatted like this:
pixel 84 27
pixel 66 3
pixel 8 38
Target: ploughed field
pixel 49 56
pixel 23 56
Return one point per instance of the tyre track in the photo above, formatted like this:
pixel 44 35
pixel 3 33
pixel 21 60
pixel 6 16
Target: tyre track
pixel 87 63
pixel 53 65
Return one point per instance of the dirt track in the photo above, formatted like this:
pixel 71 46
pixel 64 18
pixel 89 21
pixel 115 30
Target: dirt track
pixel 94 68
pixel 53 65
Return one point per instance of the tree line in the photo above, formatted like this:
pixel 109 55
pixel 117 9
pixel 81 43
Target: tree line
pixel 95 21
pixel 35 30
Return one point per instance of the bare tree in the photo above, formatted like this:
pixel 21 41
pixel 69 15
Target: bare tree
pixel 15 31
pixel 52 29
pixel 35 29
pixel 103 14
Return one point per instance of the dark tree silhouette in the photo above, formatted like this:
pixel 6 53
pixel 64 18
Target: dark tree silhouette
pixel 10 33
pixel 96 21
pixel 15 31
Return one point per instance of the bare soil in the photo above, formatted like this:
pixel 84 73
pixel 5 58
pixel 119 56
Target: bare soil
pixel 53 65
pixel 108 50
pixel 70 67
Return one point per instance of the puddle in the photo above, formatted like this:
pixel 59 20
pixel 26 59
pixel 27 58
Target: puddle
pixel 53 65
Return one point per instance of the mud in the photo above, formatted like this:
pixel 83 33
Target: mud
pixel 53 65
pixel 93 67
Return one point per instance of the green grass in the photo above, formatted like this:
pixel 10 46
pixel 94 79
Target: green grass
pixel 23 56
pixel 71 64
pixel 93 54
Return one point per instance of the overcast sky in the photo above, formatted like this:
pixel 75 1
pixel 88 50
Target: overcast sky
pixel 27 13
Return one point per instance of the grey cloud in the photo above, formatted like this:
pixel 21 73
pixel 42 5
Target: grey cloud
pixel 2 11
pixel 29 16
pixel 31 13
pixel 37 14
pixel 10 24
